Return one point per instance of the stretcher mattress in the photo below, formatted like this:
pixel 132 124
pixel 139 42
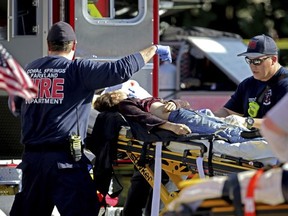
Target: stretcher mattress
pixel 185 152
pixel 254 150
pixel 251 150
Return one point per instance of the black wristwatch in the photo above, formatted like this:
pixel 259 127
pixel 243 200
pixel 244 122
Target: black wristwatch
pixel 249 122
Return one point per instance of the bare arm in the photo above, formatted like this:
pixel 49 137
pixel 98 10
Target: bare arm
pixel 164 53
pixel 130 110
pixel 224 112
pixel 179 129
pixel 148 53
pixel 257 122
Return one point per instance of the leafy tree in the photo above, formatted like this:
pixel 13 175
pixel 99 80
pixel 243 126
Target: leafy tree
pixel 245 17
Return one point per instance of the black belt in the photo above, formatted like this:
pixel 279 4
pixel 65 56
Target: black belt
pixel 47 147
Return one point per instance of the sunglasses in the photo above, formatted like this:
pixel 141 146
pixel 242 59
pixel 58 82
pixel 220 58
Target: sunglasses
pixel 256 62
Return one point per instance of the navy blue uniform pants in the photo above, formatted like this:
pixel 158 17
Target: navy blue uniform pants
pixel 54 178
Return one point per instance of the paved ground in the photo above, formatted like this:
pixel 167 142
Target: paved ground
pixel 5 204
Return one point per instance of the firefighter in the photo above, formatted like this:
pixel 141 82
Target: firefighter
pixel 54 125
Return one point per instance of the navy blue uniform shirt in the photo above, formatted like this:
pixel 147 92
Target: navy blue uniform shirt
pixel 250 89
pixel 66 89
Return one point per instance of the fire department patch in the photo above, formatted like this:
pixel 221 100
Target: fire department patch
pixel 252 44
pixel 267 97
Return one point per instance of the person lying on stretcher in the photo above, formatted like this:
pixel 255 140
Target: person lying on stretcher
pixel 173 115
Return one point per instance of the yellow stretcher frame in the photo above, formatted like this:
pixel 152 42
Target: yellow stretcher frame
pixel 174 164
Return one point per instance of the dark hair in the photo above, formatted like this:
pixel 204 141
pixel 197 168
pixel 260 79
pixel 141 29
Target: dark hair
pixel 65 46
pixel 105 102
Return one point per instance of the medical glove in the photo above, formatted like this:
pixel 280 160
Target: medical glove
pixel 236 120
pixel 164 53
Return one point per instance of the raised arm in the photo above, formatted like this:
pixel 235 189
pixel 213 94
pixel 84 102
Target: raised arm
pixel 131 110
pixel 179 129
pixel 163 52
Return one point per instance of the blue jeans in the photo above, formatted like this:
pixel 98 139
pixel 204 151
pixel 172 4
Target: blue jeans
pixel 204 124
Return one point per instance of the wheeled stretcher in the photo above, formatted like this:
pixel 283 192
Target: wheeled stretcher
pixel 249 193
pixel 191 149
pixel 195 159
pixel 181 156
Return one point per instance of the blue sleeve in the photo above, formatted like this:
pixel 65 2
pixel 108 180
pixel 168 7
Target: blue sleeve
pixel 97 75
pixel 281 89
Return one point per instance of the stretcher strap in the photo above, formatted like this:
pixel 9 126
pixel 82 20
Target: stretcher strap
pixel 157 180
pixel 210 156
pixel 142 161
pixel 249 202
pixel 199 163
